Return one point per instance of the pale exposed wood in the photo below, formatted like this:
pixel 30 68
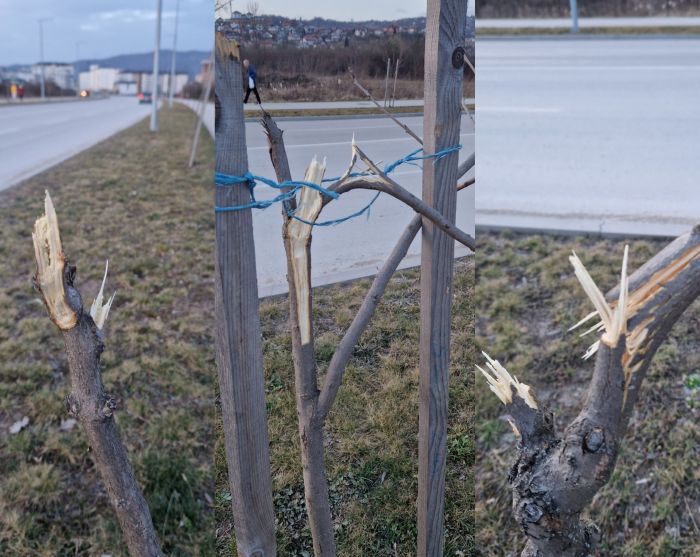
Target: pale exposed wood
pixel 87 402
pixel 297 242
pixel 238 335
pixel 557 474
pixel 445 32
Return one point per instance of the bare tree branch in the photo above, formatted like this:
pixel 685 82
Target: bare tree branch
pixel 381 182
pixel 403 126
pixel 83 334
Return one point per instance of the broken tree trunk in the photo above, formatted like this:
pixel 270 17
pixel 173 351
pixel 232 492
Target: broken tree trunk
pixel 238 338
pixel 84 340
pixel 313 406
pixel 557 474
pixel 444 61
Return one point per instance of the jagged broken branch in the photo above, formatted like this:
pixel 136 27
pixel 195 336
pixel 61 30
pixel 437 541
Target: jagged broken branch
pixel 557 474
pixel 84 335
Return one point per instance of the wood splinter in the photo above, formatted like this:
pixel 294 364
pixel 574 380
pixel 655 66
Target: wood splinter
pixel 92 407
pixel 558 473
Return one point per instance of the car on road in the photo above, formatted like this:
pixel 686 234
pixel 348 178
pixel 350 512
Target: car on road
pixel 145 98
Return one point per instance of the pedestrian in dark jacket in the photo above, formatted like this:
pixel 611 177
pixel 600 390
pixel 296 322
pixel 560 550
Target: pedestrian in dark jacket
pixel 252 84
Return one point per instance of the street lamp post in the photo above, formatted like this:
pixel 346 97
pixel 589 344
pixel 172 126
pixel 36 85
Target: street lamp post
pixel 574 16
pixel 41 55
pixel 156 64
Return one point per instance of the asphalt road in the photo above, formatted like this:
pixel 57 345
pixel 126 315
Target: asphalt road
pixel 594 135
pixel 587 22
pixel 35 137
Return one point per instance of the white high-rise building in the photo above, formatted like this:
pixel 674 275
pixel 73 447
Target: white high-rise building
pixel 61 74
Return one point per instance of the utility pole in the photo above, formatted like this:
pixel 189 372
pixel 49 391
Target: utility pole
pixel 156 68
pixel 574 16
pixel 172 58
pixel 41 55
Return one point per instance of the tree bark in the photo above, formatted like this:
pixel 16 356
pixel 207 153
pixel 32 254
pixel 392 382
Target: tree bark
pixel 557 475
pixel 238 339
pixel 444 60
pixel 87 401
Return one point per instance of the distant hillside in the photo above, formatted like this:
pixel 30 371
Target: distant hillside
pixel 587 8
pixel 186 62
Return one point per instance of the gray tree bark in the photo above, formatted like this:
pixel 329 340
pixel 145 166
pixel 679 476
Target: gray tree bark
pixel 238 334
pixel 557 473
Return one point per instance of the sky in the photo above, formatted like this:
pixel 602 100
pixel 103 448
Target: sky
pixel 344 10
pixel 102 27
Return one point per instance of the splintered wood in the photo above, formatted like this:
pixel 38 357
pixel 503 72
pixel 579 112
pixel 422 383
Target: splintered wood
pixel 50 265
pixel 308 209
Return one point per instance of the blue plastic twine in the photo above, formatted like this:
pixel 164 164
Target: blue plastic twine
pixel 251 180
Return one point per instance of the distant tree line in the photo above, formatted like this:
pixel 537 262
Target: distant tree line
pixel 560 8
pixel 367 58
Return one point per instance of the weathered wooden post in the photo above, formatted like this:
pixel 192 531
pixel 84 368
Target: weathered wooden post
pixel 444 60
pixel 238 336
pixel 386 80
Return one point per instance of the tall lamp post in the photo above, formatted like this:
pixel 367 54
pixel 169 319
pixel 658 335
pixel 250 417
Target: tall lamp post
pixel 574 16
pixel 156 64
pixel 172 58
pixel 41 55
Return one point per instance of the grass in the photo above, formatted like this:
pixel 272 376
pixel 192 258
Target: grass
pixel 526 299
pixel 371 441
pixel 361 111
pixel 563 31
pixel 130 199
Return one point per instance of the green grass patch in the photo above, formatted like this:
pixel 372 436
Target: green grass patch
pixel 132 200
pixel 371 441
pixel 526 298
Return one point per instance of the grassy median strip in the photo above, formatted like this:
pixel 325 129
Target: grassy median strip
pixel 583 31
pixel 132 200
pixel 526 298
pixel 371 444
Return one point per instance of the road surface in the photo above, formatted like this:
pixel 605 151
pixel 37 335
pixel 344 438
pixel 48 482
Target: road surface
pixel 37 136
pixel 594 135
pixel 587 22
pixel 358 247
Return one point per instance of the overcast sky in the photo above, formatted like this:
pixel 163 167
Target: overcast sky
pixel 344 10
pixel 109 27
pixel 104 27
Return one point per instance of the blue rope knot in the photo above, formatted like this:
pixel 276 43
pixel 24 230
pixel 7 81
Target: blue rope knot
pixel 226 180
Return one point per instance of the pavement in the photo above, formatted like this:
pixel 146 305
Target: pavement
pixel 38 136
pixel 587 22
pixel 597 135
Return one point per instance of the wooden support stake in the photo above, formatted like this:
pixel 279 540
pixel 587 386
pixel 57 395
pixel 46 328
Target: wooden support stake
pixel 238 336
pixel 444 60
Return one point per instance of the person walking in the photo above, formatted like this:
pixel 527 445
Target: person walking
pixel 252 81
